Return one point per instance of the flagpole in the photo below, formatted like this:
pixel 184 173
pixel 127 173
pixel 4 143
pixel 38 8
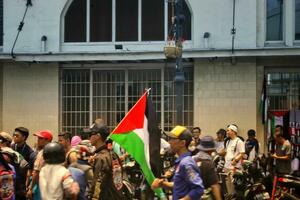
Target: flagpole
pixel 148 90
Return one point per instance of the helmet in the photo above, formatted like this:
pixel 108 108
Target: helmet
pixel 54 153
pixel 102 130
pixel 14 155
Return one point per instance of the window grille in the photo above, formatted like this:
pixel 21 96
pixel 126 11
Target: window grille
pixel 283 90
pixel 87 94
pixel 108 96
pixel 75 87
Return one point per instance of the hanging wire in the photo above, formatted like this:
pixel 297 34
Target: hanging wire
pixel 20 27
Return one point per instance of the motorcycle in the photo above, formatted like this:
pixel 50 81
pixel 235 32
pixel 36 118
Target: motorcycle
pixel 286 187
pixel 283 187
pixel 248 183
pixel 137 184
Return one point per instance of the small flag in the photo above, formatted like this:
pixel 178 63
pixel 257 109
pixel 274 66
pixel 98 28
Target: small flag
pixel 263 107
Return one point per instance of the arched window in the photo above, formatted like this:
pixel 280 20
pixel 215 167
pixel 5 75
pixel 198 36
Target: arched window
pixel 120 20
pixel 75 22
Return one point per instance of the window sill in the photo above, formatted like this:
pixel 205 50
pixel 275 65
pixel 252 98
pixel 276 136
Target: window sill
pixel 296 43
pixel 274 44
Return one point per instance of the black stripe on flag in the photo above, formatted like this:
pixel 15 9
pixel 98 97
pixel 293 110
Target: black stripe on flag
pixel 154 139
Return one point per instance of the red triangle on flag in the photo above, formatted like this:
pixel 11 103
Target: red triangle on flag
pixel 134 119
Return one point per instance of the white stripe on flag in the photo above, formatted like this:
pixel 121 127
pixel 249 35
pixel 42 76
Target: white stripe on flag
pixel 144 135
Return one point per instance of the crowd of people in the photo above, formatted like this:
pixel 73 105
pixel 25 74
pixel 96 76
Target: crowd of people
pixel 231 149
pixel 71 168
pixel 91 168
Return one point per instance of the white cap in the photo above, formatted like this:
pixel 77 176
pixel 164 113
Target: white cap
pixel 233 127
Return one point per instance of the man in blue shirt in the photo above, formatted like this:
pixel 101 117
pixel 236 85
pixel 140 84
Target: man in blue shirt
pixel 187 183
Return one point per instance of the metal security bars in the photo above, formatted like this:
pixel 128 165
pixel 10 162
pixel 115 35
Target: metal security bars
pixel 87 94
pixel 75 88
pixel 170 95
pixel 283 90
pixel 108 96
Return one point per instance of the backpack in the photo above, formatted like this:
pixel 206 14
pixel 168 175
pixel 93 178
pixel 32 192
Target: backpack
pixel 68 157
pixel 20 166
pixel 227 139
pixel 251 148
pixel 117 171
pixel 7 191
pixel 112 185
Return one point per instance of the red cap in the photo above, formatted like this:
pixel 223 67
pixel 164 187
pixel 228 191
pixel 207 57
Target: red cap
pixel 46 134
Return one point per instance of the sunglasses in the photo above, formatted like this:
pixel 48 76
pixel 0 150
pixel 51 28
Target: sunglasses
pixel 93 133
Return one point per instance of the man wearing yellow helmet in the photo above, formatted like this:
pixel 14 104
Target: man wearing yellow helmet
pixel 187 183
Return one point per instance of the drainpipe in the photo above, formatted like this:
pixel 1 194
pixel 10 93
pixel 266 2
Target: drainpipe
pixel 44 43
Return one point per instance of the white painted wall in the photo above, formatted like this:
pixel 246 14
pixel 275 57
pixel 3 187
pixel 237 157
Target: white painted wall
pixel 30 97
pixel 213 16
pixel 43 18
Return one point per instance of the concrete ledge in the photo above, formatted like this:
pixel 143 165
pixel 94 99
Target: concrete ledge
pixel 147 55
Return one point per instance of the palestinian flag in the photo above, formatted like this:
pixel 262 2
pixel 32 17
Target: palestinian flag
pixel 263 106
pixel 139 135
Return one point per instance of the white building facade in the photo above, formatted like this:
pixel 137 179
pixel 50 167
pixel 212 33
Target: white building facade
pixel 76 60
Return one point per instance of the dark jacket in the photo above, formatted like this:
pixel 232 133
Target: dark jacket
pixel 102 185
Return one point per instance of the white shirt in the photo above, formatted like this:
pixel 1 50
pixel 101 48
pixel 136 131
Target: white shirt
pixel 233 148
pixel 164 146
pixel 53 180
pixel 219 146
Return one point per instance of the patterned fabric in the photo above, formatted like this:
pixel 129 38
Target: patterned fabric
pixel 84 150
pixel 6 184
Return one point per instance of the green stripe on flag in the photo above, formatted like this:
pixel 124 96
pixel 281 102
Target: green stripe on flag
pixel 131 142
pixel 273 126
